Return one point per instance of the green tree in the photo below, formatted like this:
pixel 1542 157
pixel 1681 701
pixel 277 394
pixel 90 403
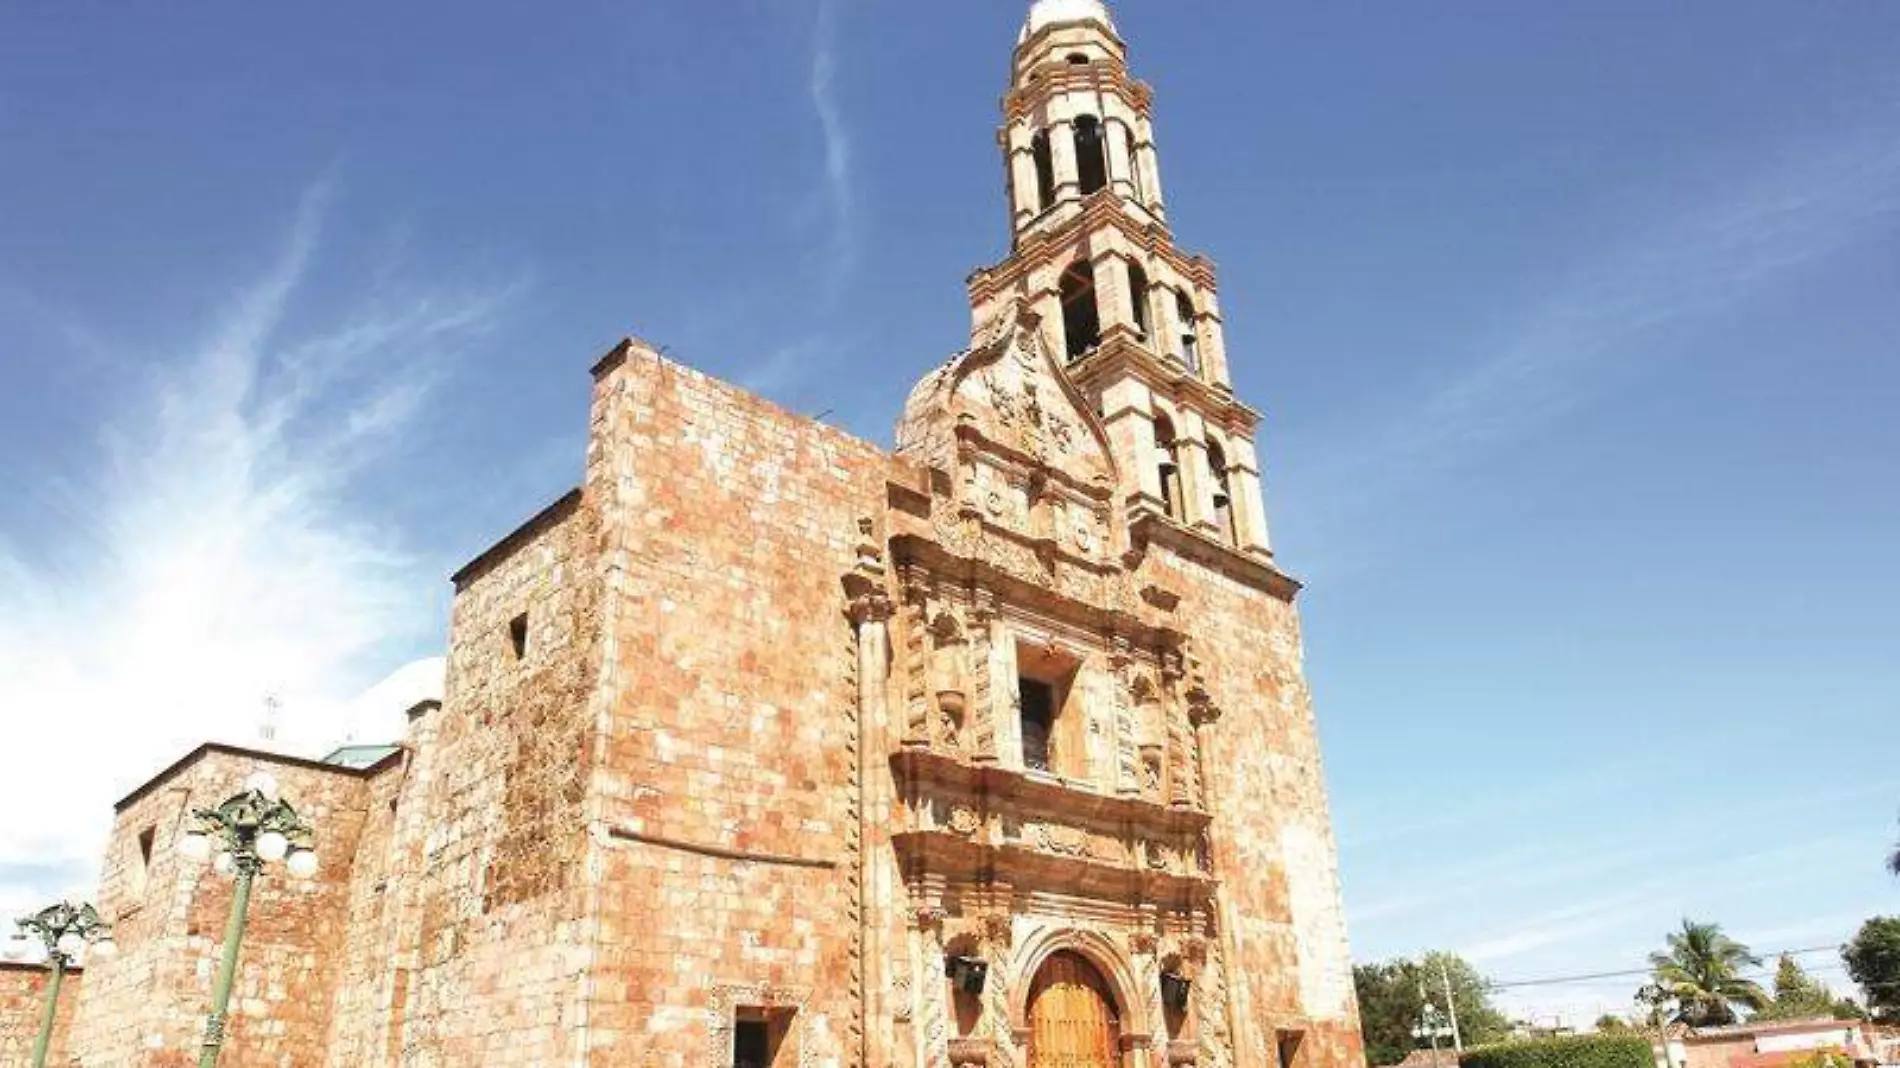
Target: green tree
pixel 1611 1024
pixel 1797 995
pixel 1702 970
pixel 1389 1005
pixel 1392 997
pixel 1873 959
pixel 1893 860
pixel 1479 1021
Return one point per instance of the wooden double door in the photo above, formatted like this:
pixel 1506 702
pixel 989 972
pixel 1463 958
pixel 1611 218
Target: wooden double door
pixel 1072 1018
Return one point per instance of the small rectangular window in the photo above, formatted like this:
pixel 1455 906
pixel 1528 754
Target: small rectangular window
pixel 142 864
pixel 518 635
pixel 1287 1044
pixel 757 1035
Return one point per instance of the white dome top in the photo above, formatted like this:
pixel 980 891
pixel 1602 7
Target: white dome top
pixel 1049 12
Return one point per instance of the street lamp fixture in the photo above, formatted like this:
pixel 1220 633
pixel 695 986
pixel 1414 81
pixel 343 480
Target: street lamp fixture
pixel 1432 1025
pixel 63 931
pixel 253 827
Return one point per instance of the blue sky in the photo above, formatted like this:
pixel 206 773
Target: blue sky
pixel 1575 325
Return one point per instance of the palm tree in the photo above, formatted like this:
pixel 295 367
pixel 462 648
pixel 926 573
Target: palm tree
pixel 1702 971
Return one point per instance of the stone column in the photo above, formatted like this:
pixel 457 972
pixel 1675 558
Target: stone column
pixel 1213 337
pixel 1181 793
pixel 1150 164
pixel 1249 504
pixel 1131 430
pixel 1062 155
pixel 982 713
pixel 1128 774
pixel 1203 713
pixel 871 610
pixel 1197 483
pixel 1121 164
pixel 932 990
pixel 1167 318
pixel 1022 176
pixel 1114 296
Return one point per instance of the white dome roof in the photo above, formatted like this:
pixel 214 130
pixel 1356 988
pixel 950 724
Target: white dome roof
pixel 1049 12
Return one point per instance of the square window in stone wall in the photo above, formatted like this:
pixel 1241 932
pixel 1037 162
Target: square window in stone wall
pixel 758 1035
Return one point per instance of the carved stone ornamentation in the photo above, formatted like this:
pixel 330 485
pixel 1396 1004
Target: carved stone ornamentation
pixel 969 1053
pixel 964 821
pixel 1067 841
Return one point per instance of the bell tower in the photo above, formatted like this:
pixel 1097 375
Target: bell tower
pixel 1136 320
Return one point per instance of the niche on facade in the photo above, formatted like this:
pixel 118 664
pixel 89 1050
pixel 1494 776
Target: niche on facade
pixel 1049 710
pixel 1177 999
pixel 1150 721
pixel 949 676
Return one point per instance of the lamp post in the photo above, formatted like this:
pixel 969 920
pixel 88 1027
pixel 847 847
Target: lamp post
pixel 1653 997
pixel 1431 1024
pixel 64 930
pixel 252 828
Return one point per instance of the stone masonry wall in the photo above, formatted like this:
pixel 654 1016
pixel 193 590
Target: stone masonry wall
pixel 1272 834
pixel 22 1004
pixel 147 1006
pixel 364 1010
pixel 500 877
pixel 727 747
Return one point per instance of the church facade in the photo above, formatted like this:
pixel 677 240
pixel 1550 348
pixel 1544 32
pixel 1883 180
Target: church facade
pixel 770 746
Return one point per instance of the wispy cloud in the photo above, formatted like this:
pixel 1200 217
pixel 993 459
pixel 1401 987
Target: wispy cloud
pixel 842 255
pixel 1706 248
pixel 210 553
pixel 808 355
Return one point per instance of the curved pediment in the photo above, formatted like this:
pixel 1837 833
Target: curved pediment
pixel 1007 390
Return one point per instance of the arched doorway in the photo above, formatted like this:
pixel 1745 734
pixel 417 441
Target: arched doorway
pixel 1072 1018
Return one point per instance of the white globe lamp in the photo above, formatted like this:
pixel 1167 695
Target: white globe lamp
pixel 303 863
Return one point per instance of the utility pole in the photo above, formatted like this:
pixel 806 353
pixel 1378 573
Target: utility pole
pixel 1451 1003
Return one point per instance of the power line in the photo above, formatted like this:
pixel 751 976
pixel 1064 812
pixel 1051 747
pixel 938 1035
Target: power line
pixel 1630 972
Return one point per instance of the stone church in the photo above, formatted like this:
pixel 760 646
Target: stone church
pixel 769 746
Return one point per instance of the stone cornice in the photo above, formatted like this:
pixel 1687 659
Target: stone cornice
pixel 1147 526
pixel 1013 788
pixel 924 548
pixel 1122 357
pixel 1055 79
pixel 1102 208
pixel 1026 830
pixel 242 753
pixel 562 507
